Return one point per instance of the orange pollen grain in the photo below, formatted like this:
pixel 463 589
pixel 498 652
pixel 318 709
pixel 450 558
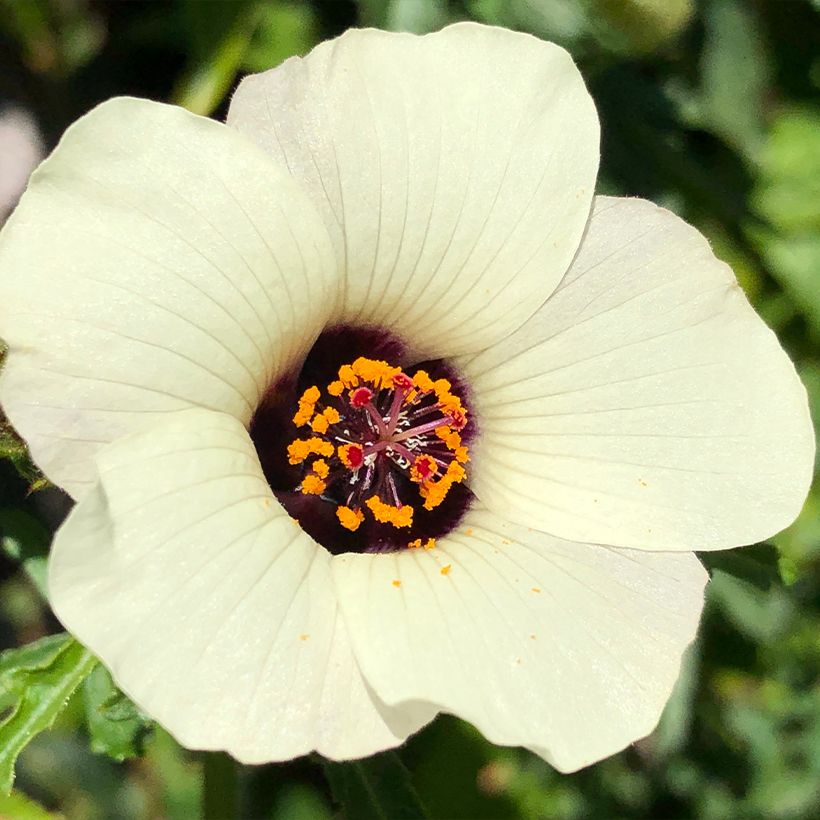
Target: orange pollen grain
pixel 300 449
pixel 313 485
pixel 319 425
pixel 388 514
pixel 349 519
pixel 321 468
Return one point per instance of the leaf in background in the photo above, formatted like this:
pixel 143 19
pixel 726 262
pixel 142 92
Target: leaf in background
pixel 637 27
pixel 734 74
pixel 378 788
pixel 762 615
pixel 36 682
pixel 675 724
pixel 788 187
pixel 24 539
pixel 756 565
pixel 563 21
pixel 284 30
pixel 221 48
pixel 117 728
pixel 416 16
pixel 795 263
pixel 17 806
pixel 787 195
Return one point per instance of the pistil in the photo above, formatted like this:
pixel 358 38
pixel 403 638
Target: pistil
pixel 383 442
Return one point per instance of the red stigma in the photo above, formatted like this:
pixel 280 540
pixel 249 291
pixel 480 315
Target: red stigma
pixel 425 467
pixel 355 456
pixel 457 420
pixel 360 397
pixel 402 381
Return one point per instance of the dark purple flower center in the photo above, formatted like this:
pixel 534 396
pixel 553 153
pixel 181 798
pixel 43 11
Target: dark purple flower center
pixel 365 455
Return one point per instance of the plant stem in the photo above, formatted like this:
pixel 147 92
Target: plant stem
pixel 220 791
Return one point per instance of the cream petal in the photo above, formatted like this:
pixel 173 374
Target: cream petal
pixel 645 404
pixel 568 649
pixel 454 171
pixel 158 261
pixel 211 607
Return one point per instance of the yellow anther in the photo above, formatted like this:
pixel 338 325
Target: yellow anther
pixel 347 376
pixel 429 544
pixel 302 416
pixel 300 449
pixel 423 382
pixel 449 436
pixel 313 485
pixel 319 424
pixel 435 492
pixel 442 388
pixel 307 404
pixel 379 373
pixel 321 468
pixel 332 415
pixel 388 514
pixel 336 388
pixel 462 455
pixel 349 519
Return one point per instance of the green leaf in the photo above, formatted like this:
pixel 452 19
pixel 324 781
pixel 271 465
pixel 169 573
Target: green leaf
pixel 207 80
pixel 416 16
pixel 735 74
pixel 762 615
pixel 757 565
pixel 284 30
pixel 787 191
pixel 24 539
pixel 378 788
pixel 20 807
pixel 36 682
pixel 116 726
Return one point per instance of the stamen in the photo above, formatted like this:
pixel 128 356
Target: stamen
pixel 379 433
pixel 349 519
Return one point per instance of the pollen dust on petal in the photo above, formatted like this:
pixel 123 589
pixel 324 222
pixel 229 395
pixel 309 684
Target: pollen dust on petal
pixel 445 570
pixel 396 582
pixel 304 637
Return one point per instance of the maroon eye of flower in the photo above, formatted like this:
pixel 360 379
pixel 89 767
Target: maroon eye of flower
pixel 376 455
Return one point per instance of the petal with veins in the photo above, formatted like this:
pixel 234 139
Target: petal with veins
pixel 158 261
pixel 568 649
pixel 454 172
pixel 645 404
pixel 213 610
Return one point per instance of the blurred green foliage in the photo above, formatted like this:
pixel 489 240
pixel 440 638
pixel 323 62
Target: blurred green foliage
pixel 709 107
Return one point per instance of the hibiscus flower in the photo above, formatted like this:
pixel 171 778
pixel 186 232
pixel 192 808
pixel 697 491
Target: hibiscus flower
pixel 372 410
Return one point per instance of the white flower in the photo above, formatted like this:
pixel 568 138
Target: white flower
pixel 163 271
